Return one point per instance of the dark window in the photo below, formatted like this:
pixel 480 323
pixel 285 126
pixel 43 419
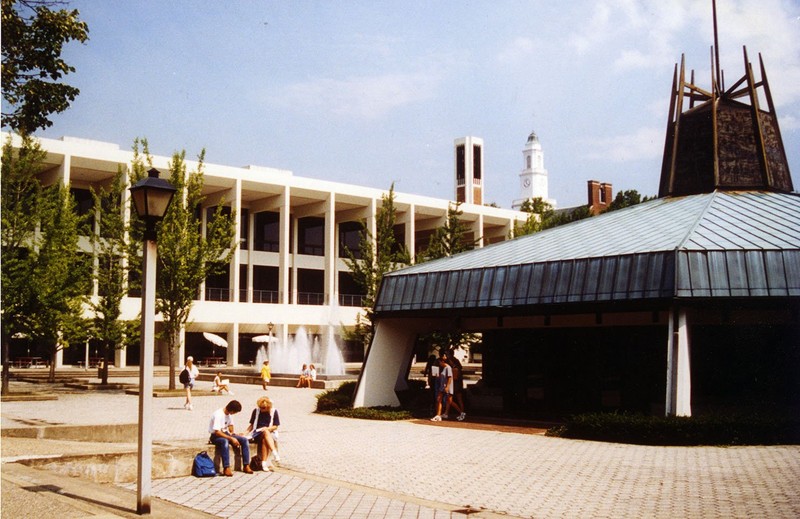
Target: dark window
pixel 476 162
pixel 350 292
pixel 84 206
pixel 266 231
pixel 399 232
pixel 218 286
pixel 310 287
pixel 350 238
pixel 243 283
pixel 461 165
pixel 265 284
pixel 311 236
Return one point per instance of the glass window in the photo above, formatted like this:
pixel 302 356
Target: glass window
pixel 350 238
pixel 266 231
pixel 311 236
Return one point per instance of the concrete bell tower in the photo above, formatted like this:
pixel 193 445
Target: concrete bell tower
pixel 533 178
pixel 469 170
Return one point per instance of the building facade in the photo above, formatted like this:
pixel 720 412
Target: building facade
pixel 289 270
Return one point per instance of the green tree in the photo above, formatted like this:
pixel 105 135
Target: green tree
pixel 59 276
pixel 113 251
pixel 543 216
pixel 20 215
pixel 379 254
pixel 185 255
pixel 626 199
pixel 34 36
pixel 450 238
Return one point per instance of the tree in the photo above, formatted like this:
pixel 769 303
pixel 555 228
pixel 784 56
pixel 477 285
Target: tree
pixel 185 255
pixel 113 252
pixel 626 199
pixel 379 254
pixel 33 39
pixel 543 216
pixel 19 212
pixel 450 238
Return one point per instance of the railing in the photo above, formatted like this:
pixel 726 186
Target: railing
pixel 351 300
pixel 218 294
pixel 265 296
pixel 310 298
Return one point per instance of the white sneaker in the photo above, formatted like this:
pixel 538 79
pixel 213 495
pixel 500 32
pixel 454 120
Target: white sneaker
pixel 461 417
pixel 276 457
pixel 436 418
pixel 190 407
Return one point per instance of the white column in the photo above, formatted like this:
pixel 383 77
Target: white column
pixel 679 377
pixel 232 355
pixel 331 295
pixel 411 229
pixel 236 204
pixel 284 263
pixel 477 229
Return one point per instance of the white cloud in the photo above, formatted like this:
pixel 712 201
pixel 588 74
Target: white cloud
pixel 518 50
pixel 365 97
pixel 644 144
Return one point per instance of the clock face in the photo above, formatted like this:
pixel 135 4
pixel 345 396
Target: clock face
pixel 526 182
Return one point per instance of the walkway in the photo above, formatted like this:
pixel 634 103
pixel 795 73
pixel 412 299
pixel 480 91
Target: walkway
pixel 335 467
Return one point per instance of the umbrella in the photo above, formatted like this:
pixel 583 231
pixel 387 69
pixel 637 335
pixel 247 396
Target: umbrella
pixel 264 338
pixel 215 340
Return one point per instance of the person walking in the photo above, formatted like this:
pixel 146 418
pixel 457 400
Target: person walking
pixel 192 373
pixel 445 392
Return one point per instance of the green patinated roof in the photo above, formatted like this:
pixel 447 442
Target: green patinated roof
pixel 719 244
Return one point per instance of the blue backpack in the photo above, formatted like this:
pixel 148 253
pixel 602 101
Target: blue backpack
pixel 203 466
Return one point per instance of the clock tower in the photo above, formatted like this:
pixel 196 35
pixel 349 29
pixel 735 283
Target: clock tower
pixel 533 178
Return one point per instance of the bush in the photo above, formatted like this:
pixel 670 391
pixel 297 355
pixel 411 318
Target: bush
pixel 751 429
pixel 337 402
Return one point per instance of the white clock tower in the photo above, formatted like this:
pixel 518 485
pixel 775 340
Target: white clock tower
pixel 533 179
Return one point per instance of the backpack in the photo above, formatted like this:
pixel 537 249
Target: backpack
pixel 256 464
pixel 184 376
pixel 203 466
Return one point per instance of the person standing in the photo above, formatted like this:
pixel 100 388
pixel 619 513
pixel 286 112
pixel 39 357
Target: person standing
pixel 223 436
pixel 264 422
pixel 266 374
pixel 458 383
pixel 193 372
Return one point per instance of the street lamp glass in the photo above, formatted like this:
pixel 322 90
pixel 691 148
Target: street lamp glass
pixel 152 196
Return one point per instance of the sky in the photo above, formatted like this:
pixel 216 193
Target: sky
pixel 375 92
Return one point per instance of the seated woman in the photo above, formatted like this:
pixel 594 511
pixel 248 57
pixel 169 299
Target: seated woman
pixel 264 422
pixel 221 385
pixel 304 374
pixel 312 375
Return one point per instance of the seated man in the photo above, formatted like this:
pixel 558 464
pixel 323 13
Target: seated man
pixel 222 435
pixel 264 422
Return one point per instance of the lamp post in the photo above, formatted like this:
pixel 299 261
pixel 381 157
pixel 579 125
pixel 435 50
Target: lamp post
pixel 151 198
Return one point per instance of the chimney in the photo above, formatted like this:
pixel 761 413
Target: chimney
pixel 600 196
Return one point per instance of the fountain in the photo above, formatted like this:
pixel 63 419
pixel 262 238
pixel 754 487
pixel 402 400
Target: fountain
pixel 300 349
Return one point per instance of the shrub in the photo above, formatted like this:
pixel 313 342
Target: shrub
pixel 336 402
pixel 751 429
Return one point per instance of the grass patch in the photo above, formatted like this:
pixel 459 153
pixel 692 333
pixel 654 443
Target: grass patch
pixel 750 429
pixel 336 402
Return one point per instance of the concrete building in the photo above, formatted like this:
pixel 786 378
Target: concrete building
pixel 289 268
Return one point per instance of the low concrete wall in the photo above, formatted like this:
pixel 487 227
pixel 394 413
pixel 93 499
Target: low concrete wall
pixel 168 462
pixel 121 433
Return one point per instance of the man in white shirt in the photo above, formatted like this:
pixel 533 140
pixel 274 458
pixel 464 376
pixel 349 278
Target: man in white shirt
pixel 445 392
pixel 222 436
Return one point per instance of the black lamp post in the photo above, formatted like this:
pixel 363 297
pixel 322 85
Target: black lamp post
pixel 151 198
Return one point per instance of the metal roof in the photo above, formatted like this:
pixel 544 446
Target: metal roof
pixel 720 244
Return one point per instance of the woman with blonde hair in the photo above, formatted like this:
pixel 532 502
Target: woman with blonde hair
pixel 263 428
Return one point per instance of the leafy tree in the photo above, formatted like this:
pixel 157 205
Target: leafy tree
pixel 450 238
pixel 543 216
pixel 185 256
pixel 626 199
pixel 33 39
pixel 113 252
pixel 59 277
pixel 380 254
pixel 20 215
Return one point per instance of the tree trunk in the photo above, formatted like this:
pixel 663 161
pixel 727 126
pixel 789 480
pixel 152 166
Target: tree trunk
pixel 53 356
pixel 6 364
pixel 104 367
pixel 171 357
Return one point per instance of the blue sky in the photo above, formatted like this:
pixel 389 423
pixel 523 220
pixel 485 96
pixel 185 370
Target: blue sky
pixel 375 92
